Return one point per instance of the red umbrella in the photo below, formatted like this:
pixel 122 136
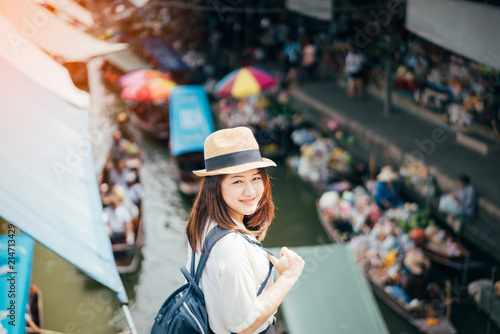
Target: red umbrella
pixel 141 75
pixel 150 90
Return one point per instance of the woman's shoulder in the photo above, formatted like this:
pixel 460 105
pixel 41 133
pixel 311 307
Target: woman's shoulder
pixel 231 248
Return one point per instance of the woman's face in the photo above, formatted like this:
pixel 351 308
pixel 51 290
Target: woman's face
pixel 242 193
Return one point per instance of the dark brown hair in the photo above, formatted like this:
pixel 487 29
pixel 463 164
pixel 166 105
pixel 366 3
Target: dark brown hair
pixel 210 205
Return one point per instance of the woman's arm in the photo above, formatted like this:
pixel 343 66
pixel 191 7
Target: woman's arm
pixel 289 266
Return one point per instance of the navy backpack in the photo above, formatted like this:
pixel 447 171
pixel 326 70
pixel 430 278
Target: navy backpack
pixel 184 310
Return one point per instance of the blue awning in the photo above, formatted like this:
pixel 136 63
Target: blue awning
pixel 48 184
pixel 164 53
pixel 15 278
pixel 190 119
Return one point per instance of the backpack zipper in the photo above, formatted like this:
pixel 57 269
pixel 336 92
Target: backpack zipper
pixel 192 315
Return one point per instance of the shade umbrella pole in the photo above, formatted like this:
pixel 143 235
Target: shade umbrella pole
pixel 128 316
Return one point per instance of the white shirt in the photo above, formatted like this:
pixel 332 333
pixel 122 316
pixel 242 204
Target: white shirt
pixel 353 62
pixel 117 218
pixel 232 276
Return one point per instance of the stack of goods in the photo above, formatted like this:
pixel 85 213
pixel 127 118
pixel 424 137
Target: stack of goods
pixel 381 253
pixel 422 229
pixel 321 160
pixel 351 213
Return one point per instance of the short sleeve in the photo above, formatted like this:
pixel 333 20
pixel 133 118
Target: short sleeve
pixel 232 256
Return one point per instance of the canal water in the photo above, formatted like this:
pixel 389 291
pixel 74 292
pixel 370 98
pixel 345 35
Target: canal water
pixel 74 303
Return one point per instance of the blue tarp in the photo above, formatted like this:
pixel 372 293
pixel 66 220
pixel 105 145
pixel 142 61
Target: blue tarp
pixel 190 119
pixel 164 53
pixel 16 259
pixel 48 185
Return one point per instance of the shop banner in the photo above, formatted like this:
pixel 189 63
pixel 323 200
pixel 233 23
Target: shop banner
pixel 466 28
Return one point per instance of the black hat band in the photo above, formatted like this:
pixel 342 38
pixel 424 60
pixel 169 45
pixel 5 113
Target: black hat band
pixel 232 159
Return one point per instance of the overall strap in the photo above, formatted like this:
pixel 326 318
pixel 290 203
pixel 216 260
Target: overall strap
pixel 213 236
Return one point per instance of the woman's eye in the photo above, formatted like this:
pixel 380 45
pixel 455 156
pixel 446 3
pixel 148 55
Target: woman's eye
pixel 257 178
pixel 236 182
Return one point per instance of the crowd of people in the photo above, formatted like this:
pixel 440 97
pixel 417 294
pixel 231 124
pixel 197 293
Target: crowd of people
pixel 120 187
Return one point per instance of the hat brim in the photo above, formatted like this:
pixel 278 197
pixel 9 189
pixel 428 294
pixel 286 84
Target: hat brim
pixel 236 169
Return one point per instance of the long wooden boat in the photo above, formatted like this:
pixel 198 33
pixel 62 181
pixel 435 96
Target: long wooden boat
pixel 415 317
pixel 190 124
pixel 35 307
pixel 126 255
pixel 291 164
pixel 158 131
pixel 330 230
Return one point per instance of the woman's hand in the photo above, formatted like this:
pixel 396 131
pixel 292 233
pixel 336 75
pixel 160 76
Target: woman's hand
pixel 289 265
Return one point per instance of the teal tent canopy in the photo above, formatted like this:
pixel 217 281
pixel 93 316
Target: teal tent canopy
pixel 331 296
pixel 190 119
pixel 48 184
pixel 15 276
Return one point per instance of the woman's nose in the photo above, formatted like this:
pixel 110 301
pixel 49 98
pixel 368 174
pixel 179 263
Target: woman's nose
pixel 249 189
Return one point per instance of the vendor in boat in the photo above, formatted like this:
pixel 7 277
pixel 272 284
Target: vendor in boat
pixel 134 189
pixel 118 173
pixel 415 277
pixel 127 202
pixel 118 219
pixel 460 204
pixel 118 151
pixel 124 149
pixel 386 193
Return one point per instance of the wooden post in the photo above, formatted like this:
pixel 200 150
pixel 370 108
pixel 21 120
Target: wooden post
pixel 388 156
pixel 448 299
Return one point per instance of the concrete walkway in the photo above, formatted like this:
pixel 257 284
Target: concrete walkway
pixel 404 133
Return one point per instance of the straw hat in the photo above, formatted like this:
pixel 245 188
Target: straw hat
pixel 231 151
pixel 416 262
pixel 387 174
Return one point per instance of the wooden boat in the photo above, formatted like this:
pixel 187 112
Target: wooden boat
pixel 155 130
pixel 416 317
pixel 291 164
pixel 126 255
pixel 328 225
pixel 481 291
pixel 440 256
pixel 35 307
pixel 190 124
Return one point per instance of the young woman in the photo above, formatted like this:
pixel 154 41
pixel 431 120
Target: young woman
pixel 236 194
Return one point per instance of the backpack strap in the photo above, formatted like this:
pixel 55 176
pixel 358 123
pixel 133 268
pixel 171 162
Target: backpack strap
pixel 213 236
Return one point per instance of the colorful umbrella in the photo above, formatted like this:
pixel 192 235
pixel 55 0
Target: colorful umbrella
pixel 150 90
pixel 244 82
pixel 141 75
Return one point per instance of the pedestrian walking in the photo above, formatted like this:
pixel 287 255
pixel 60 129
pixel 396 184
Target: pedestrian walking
pixel 354 69
pixel 236 195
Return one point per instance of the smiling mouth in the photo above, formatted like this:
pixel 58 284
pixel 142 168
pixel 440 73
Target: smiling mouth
pixel 247 201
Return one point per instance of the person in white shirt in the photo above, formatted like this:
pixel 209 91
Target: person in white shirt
pixel 236 194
